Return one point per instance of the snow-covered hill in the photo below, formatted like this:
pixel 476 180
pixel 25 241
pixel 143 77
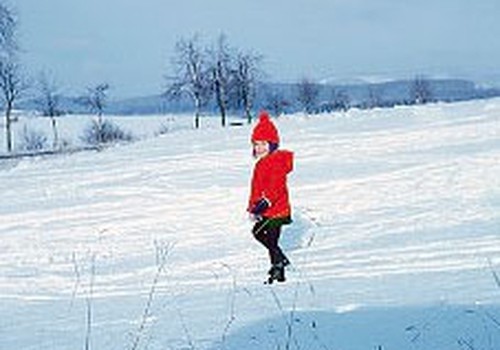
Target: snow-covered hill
pixel 395 242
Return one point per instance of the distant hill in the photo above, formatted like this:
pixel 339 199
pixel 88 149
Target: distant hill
pixel 359 94
pixel 388 93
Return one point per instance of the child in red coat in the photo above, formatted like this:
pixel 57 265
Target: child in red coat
pixel 269 203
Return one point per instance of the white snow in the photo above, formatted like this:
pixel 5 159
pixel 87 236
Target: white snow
pixel 395 242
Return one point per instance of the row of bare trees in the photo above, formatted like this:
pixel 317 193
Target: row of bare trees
pixel 308 93
pixel 220 72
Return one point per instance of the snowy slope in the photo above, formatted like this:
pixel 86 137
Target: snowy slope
pixel 395 244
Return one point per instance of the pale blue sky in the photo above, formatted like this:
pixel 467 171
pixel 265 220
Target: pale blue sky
pixel 128 43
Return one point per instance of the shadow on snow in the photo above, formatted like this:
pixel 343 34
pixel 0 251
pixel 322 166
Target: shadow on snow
pixel 440 327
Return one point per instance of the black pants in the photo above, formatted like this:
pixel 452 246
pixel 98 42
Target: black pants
pixel 268 236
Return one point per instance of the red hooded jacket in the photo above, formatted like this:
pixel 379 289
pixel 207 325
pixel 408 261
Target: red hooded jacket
pixel 269 181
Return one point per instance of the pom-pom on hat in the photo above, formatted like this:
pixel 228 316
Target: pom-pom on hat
pixel 265 129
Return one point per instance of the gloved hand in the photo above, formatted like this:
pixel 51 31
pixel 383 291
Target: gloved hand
pixel 260 207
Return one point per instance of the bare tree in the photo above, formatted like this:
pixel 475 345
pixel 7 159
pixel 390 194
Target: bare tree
pixel 374 97
pixel 276 102
pixel 420 91
pixel 48 95
pixel 246 76
pixel 340 100
pixel 221 75
pixel 307 94
pixel 191 75
pixel 48 101
pixel 11 82
pixel 96 100
pixel 12 85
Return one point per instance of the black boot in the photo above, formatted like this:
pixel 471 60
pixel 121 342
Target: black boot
pixel 277 273
pixel 280 277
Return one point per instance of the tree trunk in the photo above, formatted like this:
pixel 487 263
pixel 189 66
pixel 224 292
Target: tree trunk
pixel 8 130
pixel 222 106
pixel 56 136
pixel 99 128
pixel 248 115
pixel 219 95
pixel 197 113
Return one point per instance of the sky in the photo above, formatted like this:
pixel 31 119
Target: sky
pixel 130 43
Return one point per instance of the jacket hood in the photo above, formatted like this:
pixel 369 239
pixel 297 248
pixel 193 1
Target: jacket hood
pixel 283 159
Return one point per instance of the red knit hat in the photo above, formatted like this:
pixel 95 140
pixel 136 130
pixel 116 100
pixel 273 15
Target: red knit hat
pixel 265 129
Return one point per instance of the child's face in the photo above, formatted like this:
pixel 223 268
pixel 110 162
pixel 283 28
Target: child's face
pixel 261 148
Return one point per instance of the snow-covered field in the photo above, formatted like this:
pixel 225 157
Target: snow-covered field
pixel 395 242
